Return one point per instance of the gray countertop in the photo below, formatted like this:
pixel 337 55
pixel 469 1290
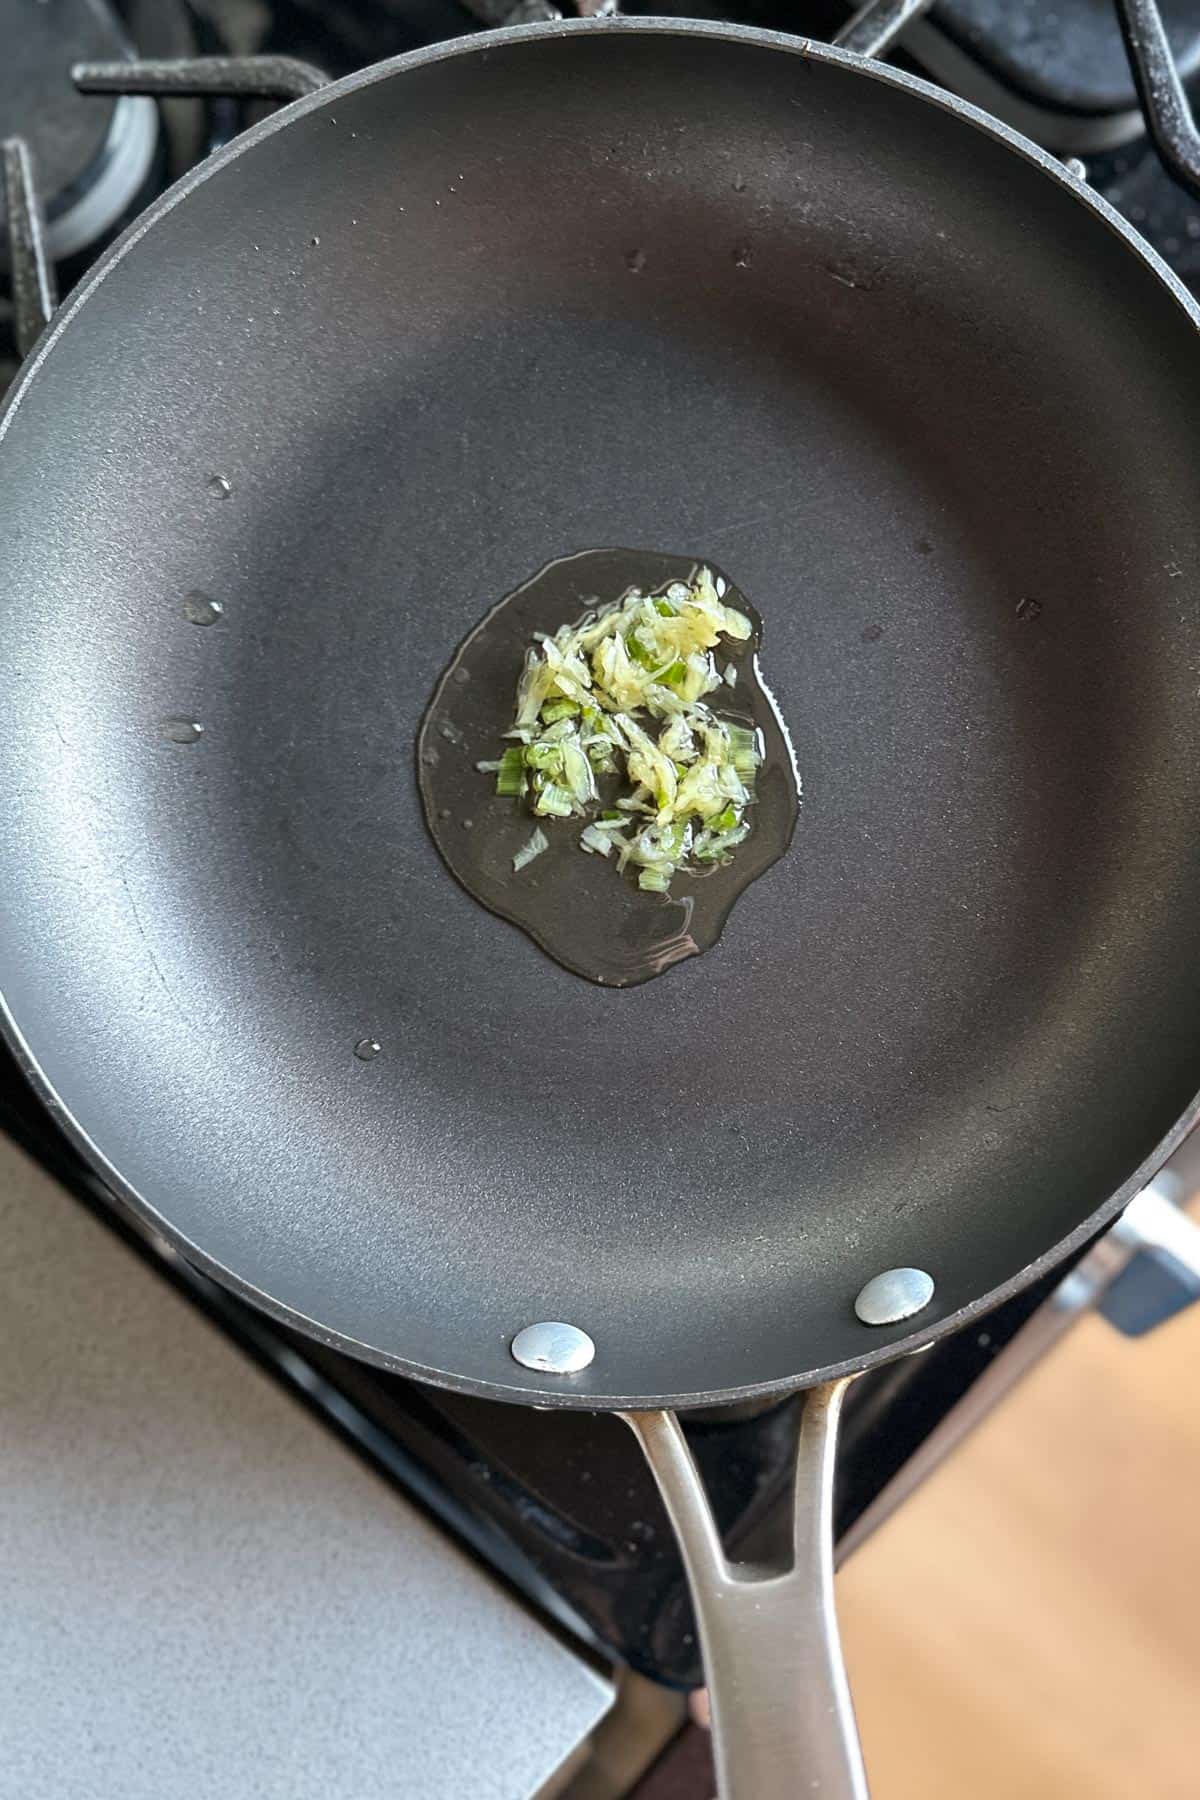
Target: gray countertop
pixel 202 1591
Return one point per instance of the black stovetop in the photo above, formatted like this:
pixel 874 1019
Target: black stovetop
pixel 561 1504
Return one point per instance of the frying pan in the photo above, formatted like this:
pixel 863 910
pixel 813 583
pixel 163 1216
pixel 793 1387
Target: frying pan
pixel 698 289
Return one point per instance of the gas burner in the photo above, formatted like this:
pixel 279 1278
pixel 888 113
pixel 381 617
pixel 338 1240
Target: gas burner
pixel 1058 73
pixel 90 157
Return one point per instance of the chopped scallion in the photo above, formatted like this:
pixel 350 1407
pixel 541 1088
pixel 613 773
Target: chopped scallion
pixel 654 881
pixel 510 772
pixel 533 847
pixel 554 802
pixel 599 842
pixel 621 695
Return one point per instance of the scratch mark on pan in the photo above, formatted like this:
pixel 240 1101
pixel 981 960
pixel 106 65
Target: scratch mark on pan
pixel 756 516
pixel 141 930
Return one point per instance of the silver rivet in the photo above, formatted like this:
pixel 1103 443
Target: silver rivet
pixel 554 1348
pixel 896 1294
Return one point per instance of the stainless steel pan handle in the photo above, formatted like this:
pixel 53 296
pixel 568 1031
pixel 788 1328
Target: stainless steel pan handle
pixel 782 1717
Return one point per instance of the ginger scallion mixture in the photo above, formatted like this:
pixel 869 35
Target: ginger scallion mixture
pixel 615 725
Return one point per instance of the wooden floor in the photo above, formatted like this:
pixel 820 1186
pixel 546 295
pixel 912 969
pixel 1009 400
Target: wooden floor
pixel 1028 1626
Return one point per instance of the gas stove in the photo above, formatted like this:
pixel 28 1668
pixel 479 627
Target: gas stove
pixel 561 1505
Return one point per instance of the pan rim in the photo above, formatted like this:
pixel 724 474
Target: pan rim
pixel 891 1345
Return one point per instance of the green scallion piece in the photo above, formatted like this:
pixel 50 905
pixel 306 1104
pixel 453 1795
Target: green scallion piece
pixel 510 772
pixel 744 752
pixel 595 841
pixel 531 848
pixel 554 802
pixel 577 774
pixel 546 758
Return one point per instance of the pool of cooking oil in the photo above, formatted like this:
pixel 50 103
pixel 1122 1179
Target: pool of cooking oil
pixel 592 920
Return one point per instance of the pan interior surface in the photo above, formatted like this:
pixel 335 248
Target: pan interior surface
pixel 564 292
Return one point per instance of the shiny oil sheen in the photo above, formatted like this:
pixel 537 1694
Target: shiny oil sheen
pixel 585 915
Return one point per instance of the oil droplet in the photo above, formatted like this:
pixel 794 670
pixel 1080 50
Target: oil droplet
pixel 741 257
pixel 315 242
pixel 367 1049
pixel 220 487
pixel 871 634
pixel 1028 608
pixel 923 547
pixel 635 261
pixel 201 609
pixel 182 731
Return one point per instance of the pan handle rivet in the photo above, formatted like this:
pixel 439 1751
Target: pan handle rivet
pixel 896 1294
pixel 553 1348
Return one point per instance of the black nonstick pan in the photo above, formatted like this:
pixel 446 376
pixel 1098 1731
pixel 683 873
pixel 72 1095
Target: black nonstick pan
pixel 703 291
